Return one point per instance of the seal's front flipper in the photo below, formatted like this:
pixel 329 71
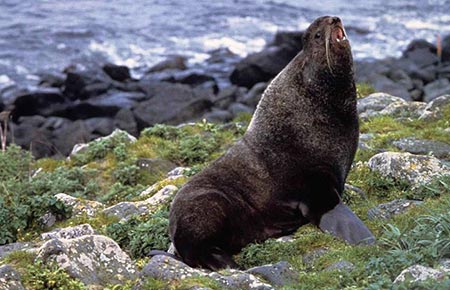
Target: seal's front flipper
pixel 343 223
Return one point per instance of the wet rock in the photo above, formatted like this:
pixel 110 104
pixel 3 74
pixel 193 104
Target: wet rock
pixel 392 208
pixel 264 65
pixel 92 259
pixel 426 147
pixel 418 273
pixel 68 136
pixel 382 83
pixel 10 279
pixel 171 104
pixel 421 52
pixel 69 232
pixel 43 102
pixel 30 134
pixel 279 274
pixel 196 79
pixel 83 84
pixel 124 120
pixel 51 79
pixel 86 110
pixel 435 89
pixel 100 126
pixel 168 269
pixel 176 62
pixel 218 116
pixel 228 96
pixel 118 99
pixel 125 210
pixel 2 105
pixel 434 109
pixel 80 206
pixel 341 266
pixel 14 247
pixel 119 73
pixel 415 169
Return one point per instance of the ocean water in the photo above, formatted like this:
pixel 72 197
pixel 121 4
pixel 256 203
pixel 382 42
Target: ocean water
pixel 44 35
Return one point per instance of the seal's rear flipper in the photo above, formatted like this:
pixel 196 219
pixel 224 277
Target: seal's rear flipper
pixel 343 223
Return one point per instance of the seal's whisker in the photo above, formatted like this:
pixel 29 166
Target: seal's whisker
pixel 327 48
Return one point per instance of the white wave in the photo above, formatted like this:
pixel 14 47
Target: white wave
pixel 418 24
pixel 5 80
pixel 253 22
pixel 111 52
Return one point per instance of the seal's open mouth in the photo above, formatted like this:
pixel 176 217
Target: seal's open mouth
pixel 338 34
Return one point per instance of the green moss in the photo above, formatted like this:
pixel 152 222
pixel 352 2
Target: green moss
pixel 364 89
pixel 185 284
pixel 19 259
pixel 38 276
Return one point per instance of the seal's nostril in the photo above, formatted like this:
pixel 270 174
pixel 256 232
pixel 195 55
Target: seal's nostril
pixel 335 20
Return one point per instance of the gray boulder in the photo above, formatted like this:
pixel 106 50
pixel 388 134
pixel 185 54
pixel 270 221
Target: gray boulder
pixel 119 73
pixel 238 108
pixel 434 109
pixel 254 95
pixel 279 274
pixel 438 149
pixel 10 279
pixel 80 206
pixel 168 269
pixel 375 103
pixel 5 250
pixel 69 232
pixel 93 259
pixel 171 104
pixel 419 273
pixel 415 169
pixel 218 116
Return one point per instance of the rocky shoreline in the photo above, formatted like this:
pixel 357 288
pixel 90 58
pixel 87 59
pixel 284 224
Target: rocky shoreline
pixel 81 104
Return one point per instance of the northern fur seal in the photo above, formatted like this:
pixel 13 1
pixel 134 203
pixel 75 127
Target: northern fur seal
pixel 290 166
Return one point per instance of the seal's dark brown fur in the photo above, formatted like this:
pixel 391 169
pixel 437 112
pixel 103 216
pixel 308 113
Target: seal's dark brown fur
pixel 289 168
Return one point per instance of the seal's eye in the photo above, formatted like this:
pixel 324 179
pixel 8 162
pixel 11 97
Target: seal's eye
pixel 317 35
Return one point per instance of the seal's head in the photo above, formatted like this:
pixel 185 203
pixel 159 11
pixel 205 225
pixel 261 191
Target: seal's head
pixel 326 41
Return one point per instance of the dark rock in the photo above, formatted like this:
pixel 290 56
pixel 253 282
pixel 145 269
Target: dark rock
pixel 426 74
pixel 238 108
pixel 2 106
pixel 124 119
pixel 279 274
pixel 254 95
pixel 392 208
pixel 29 134
pixel 53 123
pixel 118 99
pixel 435 89
pixel 444 72
pixel 119 73
pixel 218 116
pixel 423 57
pixel 82 85
pixel 384 84
pixel 425 147
pixel 228 96
pixel 41 102
pixel 416 95
pixel 100 126
pixel 446 49
pixel 195 79
pixel 293 39
pixel 401 77
pixel 221 55
pixel 366 71
pixel 176 62
pixel 264 65
pixel 70 135
pixel 52 79
pixel 171 104
pixel 81 111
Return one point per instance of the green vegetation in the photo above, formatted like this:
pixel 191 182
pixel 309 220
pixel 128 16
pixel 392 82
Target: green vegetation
pixel 364 89
pixel 107 171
